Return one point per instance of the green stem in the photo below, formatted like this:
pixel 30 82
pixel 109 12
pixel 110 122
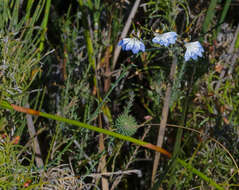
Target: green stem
pixel 89 43
pixel 44 25
pixel 200 174
pixel 183 118
pixel 28 10
pixel 209 17
pixel 224 13
pixel 93 128
pixel 164 117
pixel 6 105
pixel 177 145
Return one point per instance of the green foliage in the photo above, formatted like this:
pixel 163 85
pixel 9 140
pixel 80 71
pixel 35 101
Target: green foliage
pixel 210 14
pixel 13 173
pixel 19 49
pixel 167 12
pixel 75 81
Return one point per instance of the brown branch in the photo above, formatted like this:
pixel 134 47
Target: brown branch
pixel 35 145
pixel 125 31
pixel 164 118
pixel 127 172
pixel 102 164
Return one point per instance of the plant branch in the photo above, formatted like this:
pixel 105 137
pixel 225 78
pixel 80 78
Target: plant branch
pixel 164 118
pixel 35 145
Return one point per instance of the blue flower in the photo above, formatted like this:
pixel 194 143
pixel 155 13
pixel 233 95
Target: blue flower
pixel 165 39
pixel 132 44
pixel 194 50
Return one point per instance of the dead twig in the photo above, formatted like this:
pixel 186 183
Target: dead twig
pixel 102 167
pixel 164 118
pixel 127 172
pixel 35 146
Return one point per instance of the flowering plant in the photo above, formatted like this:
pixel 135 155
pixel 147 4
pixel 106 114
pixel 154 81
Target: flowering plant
pixel 193 49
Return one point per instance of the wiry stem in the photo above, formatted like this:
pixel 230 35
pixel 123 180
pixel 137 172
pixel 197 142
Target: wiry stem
pixel 6 105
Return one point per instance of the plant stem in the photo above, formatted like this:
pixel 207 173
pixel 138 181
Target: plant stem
pixel 164 118
pixel 209 17
pixel 6 105
pixel 102 164
pixel 223 15
pixel 183 118
pixel 200 174
pixel 44 24
pixel 35 144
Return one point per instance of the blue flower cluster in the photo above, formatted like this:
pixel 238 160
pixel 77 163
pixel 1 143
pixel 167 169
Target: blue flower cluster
pixel 193 49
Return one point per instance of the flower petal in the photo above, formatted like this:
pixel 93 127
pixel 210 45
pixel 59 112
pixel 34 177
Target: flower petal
pixel 132 44
pixel 142 47
pixel 165 39
pixel 193 50
pixel 129 45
